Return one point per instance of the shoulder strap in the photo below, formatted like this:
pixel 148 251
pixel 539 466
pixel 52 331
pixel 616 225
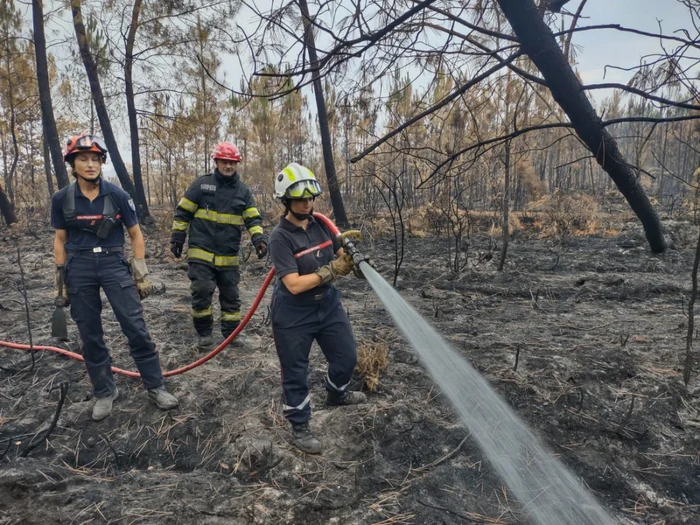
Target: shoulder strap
pixel 69 213
pixel 108 207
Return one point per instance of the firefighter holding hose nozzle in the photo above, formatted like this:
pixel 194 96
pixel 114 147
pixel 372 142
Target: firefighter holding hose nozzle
pixel 307 258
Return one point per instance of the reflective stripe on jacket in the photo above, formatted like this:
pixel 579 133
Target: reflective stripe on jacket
pixel 214 210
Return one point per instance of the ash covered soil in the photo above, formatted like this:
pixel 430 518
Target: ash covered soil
pixel 597 325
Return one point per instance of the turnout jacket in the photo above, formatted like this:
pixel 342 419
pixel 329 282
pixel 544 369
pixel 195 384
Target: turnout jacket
pixel 215 209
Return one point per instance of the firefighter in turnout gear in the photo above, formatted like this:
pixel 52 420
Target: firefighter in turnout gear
pixel 89 217
pixel 214 210
pixel 306 306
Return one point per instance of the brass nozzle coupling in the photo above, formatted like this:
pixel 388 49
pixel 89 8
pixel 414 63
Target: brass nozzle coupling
pixel 348 240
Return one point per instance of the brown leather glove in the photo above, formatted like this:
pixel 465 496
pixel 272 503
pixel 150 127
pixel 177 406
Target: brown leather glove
pixel 140 271
pixel 337 267
pixel 326 273
pixel 343 265
pixel 144 288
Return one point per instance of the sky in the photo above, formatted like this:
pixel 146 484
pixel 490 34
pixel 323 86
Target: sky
pixel 599 48
pixel 596 49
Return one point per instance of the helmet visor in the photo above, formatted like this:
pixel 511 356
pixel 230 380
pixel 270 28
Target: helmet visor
pixel 89 141
pixel 303 189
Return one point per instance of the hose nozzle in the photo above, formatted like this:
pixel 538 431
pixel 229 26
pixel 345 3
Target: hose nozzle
pixel 348 240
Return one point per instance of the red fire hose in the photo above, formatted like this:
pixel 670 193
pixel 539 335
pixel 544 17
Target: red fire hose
pixel 256 302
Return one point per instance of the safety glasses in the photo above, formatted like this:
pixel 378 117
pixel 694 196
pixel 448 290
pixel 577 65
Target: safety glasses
pixel 303 189
pixel 88 141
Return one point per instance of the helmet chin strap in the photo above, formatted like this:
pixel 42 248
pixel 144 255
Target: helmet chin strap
pixel 302 216
pixel 95 182
pixel 297 216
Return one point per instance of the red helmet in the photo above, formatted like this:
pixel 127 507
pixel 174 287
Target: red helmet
pixel 226 151
pixel 85 143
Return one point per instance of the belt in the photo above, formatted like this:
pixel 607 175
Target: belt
pixel 99 249
pixel 309 299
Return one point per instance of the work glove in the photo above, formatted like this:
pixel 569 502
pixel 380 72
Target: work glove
pixel 59 285
pixel 140 271
pixel 261 249
pixel 176 249
pixel 337 267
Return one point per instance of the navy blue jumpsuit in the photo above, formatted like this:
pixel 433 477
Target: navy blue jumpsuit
pixel 93 263
pixel 317 314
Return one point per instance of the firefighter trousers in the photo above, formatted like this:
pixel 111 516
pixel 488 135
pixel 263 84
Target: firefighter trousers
pixel 204 280
pixel 296 324
pixel 86 273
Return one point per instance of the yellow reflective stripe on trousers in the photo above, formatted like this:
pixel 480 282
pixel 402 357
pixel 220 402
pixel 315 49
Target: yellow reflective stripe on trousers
pixel 230 316
pixel 197 314
pixel 249 213
pixel 179 226
pixel 187 204
pixel 254 230
pixel 219 218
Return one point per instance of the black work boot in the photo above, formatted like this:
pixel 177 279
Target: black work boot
pixel 304 439
pixel 240 340
pixel 205 343
pixel 337 399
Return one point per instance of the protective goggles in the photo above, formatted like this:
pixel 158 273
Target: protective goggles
pixel 303 189
pixel 87 142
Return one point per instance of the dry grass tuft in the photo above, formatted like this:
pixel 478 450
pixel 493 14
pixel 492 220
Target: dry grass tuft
pixel 567 214
pixel 372 360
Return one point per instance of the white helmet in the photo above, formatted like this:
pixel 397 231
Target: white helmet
pixel 296 182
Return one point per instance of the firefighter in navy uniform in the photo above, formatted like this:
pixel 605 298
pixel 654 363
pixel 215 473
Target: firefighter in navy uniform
pixel 89 217
pixel 306 307
pixel 215 208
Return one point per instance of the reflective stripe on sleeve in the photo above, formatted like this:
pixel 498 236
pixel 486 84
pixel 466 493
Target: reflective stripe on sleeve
pixel 249 213
pixel 187 204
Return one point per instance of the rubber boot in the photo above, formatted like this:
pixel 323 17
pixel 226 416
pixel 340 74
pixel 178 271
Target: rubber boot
pixel 103 406
pixel 337 399
pixel 162 398
pixel 304 439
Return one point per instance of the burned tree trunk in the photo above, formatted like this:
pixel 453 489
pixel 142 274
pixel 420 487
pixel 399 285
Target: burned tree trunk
pixel 42 73
pixel 101 109
pixel 131 106
pixel 47 166
pixel 336 198
pixel 539 43
pixel 6 208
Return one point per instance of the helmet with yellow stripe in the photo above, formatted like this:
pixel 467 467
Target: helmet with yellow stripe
pixel 296 182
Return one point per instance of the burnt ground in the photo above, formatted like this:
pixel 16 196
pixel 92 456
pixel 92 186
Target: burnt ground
pixel 596 323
